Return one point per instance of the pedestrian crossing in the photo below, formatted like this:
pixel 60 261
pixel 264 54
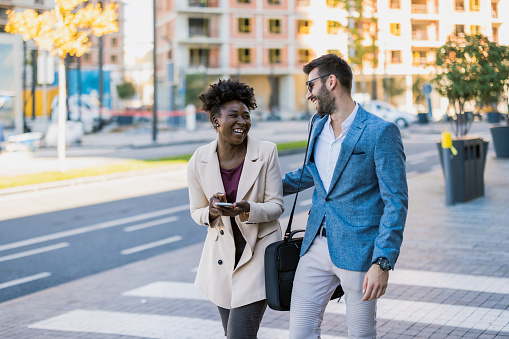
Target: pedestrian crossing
pixel 389 309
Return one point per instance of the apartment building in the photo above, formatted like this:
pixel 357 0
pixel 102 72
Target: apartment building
pixel 266 42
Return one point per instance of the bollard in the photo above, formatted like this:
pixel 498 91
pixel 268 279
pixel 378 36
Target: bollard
pixel 448 151
pixel 190 117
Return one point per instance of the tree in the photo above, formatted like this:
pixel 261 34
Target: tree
pixel 361 31
pixel 470 67
pixel 126 90
pixel 393 87
pixel 64 31
pixel 418 96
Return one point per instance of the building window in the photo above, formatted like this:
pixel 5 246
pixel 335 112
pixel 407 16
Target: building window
pixel 303 2
pixel 419 58
pixel 303 26
pixel 333 27
pixel 275 26
pixel 87 56
pixel 460 29
pixel 39 2
pixel 113 59
pixel 395 4
pixel 396 29
pixel 244 55
pixel 114 42
pixel 475 5
pixel 198 27
pixel 333 3
pixel 198 57
pixel 459 5
pixel 494 10
pixel 274 55
pixel 244 25
pixel 304 55
pixel 475 29
pixel 334 51
pixel 244 1
pixel 396 57
pixel 274 2
pixel 495 34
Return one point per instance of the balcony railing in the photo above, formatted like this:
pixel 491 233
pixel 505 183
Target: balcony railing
pixel 203 3
pixel 420 9
pixel 420 35
pixel 494 14
pixel 420 61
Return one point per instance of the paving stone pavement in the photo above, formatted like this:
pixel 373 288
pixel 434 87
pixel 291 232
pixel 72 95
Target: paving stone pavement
pixel 451 281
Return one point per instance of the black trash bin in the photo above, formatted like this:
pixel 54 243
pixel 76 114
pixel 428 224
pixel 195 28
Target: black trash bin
pixel 493 117
pixel 423 118
pixel 467 168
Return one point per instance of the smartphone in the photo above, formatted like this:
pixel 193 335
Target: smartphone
pixel 224 204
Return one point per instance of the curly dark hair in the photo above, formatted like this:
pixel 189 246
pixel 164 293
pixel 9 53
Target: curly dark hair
pixel 225 91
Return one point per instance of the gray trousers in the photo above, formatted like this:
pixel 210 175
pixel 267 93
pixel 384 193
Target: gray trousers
pixel 243 322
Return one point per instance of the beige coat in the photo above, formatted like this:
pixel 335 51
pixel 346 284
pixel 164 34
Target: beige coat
pixel 260 185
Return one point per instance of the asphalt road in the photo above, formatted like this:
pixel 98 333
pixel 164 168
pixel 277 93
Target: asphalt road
pixel 41 250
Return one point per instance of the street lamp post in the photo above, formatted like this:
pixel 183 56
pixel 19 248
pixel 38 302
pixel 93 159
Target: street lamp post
pixel 154 57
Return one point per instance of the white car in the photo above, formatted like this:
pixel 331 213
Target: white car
pixel 390 113
pixel 87 110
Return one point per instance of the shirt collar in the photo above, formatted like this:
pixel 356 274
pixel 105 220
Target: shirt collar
pixel 345 126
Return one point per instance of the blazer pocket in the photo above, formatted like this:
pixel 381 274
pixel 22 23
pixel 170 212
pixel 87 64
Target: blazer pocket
pixel 358 153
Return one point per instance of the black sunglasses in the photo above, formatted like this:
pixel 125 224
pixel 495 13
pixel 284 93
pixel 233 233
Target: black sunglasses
pixel 309 83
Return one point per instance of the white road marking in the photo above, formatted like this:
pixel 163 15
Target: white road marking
pixel 450 280
pixel 306 202
pixel 24 280
pixel 479 318
pixel 151 245
pixel 86 229
pixel 146 325
pixel 34 251
pixel 150 224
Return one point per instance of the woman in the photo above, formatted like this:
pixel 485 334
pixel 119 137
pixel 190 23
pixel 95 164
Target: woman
pixel 245 172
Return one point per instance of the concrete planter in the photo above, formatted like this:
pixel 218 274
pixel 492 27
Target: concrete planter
pixel 467 168
pixel 500 135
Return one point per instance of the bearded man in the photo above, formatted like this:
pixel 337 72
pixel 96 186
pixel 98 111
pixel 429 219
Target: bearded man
pixel 354 232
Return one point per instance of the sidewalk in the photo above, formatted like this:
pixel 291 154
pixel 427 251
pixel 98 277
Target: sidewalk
pixel 451 281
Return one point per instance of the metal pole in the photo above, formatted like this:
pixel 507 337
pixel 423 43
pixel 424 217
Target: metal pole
pixel 24 85
pixel 34 80
pixel 448 178
pixel 351 51
pixel 79 88
pixel 154 57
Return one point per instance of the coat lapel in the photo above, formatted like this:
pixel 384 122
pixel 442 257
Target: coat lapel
pixel 208 169
pixel 311 165
pixel 250 170
pixel 348 145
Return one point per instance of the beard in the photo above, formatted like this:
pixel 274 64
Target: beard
pixel 326 102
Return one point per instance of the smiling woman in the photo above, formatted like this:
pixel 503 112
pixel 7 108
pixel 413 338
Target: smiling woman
pixel 244 172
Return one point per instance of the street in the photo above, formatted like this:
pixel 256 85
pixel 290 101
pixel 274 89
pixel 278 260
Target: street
pixel 46 249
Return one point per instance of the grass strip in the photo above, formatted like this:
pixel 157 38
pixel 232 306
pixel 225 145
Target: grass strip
pixel 124 166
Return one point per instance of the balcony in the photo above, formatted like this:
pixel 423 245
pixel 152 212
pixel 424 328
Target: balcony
pixel 203 3
pixel 420 36
pixel 199 28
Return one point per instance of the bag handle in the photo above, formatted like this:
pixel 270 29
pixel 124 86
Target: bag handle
pixel 288 232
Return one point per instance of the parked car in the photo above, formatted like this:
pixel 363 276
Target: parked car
pixel 86 110
pixel 390 113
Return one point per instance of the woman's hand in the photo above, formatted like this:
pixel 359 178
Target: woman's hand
pixel 237 208
pixel 213 209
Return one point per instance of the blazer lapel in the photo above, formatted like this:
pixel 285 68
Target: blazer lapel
pixel 348 145
pixel 250 170
pixel 311 165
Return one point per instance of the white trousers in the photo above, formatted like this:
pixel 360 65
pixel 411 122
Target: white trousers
pixel 315 281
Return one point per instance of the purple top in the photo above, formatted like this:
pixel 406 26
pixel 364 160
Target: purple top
pixel 231 178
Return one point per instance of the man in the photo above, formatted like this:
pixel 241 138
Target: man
pixel 356 164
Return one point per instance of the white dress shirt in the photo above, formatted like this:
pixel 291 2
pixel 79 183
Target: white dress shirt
pixel 327 149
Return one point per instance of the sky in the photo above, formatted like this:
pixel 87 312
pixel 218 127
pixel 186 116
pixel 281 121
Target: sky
pixel 137 29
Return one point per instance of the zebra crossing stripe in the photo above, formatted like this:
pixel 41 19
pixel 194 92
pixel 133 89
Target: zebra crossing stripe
pixel 146 325
pixel 390 309
pixel 464 282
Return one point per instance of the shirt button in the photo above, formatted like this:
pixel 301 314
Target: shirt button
pixel 220 262
pixel 222 232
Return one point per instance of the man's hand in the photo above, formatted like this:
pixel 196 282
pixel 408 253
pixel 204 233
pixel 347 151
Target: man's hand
pixel 375 283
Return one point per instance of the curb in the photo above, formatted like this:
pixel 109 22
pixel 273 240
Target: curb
pixel 105 177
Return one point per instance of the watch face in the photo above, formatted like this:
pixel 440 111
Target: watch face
pixel 384 264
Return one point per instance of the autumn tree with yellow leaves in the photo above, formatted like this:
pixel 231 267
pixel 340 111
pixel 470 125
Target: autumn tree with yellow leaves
pixel 64 31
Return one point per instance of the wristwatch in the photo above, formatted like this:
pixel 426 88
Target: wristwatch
pixel 383 263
